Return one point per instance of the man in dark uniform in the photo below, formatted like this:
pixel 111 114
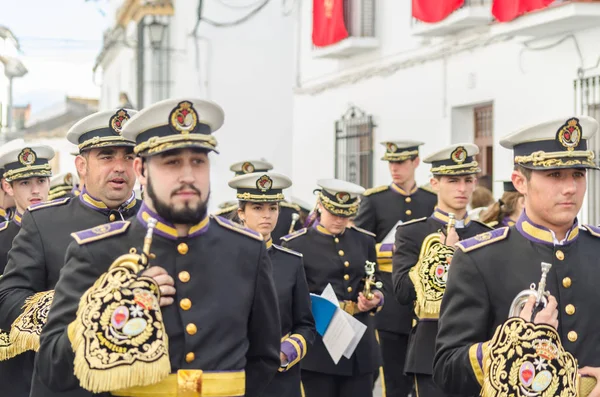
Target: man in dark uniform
pixel 423 250
pixel 218 301
pixel 62 185
pixel 7 203
pixel 381 210
pixel 25 179
pixel 38 251
pixel 488 272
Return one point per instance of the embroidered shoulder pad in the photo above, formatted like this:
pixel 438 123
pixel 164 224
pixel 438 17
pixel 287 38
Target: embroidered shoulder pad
pixel 100 232
pixel 593 230
pixel 226 210
pixel 236 227
pixel 413 221
pixel 427 189
pixel 377 189
pixel 289 251
pixel 48 204
pixel 292 236
pixel 4 225
pixel 487 225
pixel 358 229
pixel 290 205
pixel 483 239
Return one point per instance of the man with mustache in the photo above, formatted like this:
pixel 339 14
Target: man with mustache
pixel 38 251
pixel 219 332
pixel 422 253
pixel 24 178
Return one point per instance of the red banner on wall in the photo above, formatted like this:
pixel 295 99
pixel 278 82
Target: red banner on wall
pixel 507 10
pixel 328 22
pixel 432 11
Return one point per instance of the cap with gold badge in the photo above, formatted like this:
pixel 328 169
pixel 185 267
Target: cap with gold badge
pixel 561 143
pixel 26 162
pixel 251 166
pixel 454 160
pixel 260 187
pixel 101 129
pixel 340 198
pixel 18 143
pixel 401 150
pixel 62 185
pixel 175 124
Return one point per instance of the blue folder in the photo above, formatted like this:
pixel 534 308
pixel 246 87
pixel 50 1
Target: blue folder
pixel 323 311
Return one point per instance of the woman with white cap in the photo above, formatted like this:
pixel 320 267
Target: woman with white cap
pixel 337 255
pixel 259 196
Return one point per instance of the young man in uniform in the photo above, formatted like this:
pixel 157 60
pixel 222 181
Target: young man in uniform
pixel 490 270
pixel 218 332
pixel 423 250
pixel 381 210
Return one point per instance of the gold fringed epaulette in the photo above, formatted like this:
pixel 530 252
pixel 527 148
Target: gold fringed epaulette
pixel 27 328
pixel 48 204
pixel 236 227
pixel 359 229
pixel 118 336
pixel 377 189
pixel 7 350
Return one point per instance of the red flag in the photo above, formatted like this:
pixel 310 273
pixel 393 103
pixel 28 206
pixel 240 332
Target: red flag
pixel 507 10
pixel 434 10
pixel 328 22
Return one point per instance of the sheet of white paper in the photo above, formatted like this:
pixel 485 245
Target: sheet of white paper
pixel 391 236
pixel 329 294
pixel 358 329
pixel 339 336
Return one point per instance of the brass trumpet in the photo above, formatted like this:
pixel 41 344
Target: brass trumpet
pixel 370 280
pixel 451 223
pixel 541 295
pixel 295 218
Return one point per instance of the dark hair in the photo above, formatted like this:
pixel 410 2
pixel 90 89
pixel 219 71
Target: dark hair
pixel 501 208
pixel 242 205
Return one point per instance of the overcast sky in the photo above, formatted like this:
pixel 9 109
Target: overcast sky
pixel 60 41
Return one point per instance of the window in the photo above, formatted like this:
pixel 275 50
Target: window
pixel 484 139
pixel 354 148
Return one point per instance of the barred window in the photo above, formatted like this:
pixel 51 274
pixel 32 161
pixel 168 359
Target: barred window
pixel 354 147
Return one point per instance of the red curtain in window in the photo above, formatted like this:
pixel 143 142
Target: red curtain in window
pixel 434 10
pixel 328 22
pixel 507 10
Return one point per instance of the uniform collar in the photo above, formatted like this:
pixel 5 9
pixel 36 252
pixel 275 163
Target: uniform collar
pixel 443 217
pixel 75 191
pixel 3 213
pixel 269 243
pixel 17 218
pixel 540 234
pixel 99 206
pixel 401 191
pixel 167 229
pixel 507 221
pixel 322 230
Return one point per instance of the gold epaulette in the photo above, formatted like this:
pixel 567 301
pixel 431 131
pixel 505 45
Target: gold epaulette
pixel 236 227
pixel 7 350
pixel 26 330
pixel 100 232
pixel 290 205
pixel 289 251
pixel 413 221
pixel 377 189
pixel 292 236
pixel 48 204
pixel 358 229
pixel 3 225
pixel 593 230
pixel 483 239
pixel 225 210
pixel 427 189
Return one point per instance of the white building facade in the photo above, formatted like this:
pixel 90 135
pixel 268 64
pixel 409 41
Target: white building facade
pixel 465 79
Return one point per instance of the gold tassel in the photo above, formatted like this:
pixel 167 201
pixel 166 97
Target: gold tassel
pixel 7 349
pixel 27 328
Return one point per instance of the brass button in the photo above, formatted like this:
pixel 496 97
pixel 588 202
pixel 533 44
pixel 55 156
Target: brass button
pixel 182 248
pixel 572 335
pixel 349 289
pixel 184 277
pixel 570 309
pixel 346 263
pixel 337 240
pixel 112 217
pixel 408 199
pixel 191 329
pixel 341 252
pixel 346 277
pixel 566 282
pixel 190 357
pixel 408 212
pixel 560 255
pixel 185 304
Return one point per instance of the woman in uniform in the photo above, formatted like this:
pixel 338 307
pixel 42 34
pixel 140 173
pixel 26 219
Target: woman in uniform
pixel 506 211
pixel 336 254
pixel 259 195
